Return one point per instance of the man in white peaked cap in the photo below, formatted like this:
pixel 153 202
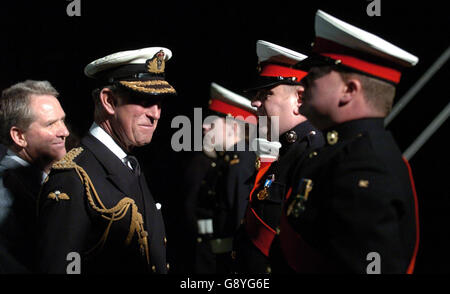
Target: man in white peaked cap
pixel 216 184
pixel 353 207
pixel 278 97
pixel 96 203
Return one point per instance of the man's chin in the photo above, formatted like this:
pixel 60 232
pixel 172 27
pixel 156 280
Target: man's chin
pixel 143 142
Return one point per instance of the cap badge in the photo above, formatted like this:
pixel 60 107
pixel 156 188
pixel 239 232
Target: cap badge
pixel 157 63
pixel 332 137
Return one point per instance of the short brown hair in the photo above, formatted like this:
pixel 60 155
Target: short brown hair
pixel 378 93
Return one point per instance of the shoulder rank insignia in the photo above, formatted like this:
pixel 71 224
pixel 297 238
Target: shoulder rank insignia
pixel 57 195
pixel 67 161
pixel 297 206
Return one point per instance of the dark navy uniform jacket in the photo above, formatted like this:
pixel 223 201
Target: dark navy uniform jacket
pixel 253 239
pixel 359 211
pixel 215 189
pixel 73 225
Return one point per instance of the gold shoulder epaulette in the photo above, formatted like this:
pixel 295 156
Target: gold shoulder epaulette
pixel 67 161
pixel 111 214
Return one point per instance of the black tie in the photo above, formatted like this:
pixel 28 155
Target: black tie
pixel 134 164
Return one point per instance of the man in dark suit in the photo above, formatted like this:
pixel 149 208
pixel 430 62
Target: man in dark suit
pixel 278 96
pixel 353 208
pixel 32 126
pixel 96 213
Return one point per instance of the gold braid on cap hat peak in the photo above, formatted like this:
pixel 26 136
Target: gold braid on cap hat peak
pixel 143 86
pixel 112 214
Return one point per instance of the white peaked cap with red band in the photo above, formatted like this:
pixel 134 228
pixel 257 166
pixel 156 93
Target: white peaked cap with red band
pixel 277 61
pixel 358 49
pixel 229 103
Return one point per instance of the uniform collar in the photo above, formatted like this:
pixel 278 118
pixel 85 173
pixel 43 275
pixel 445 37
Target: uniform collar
pixel 296 134
pixel 352 129
pixel 101 135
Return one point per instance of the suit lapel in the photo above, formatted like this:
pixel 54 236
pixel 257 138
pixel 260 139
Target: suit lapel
pixel 123 178
pixel 24 180
pixel 116 172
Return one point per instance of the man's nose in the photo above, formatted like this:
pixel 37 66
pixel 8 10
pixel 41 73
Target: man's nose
pixel 62 130
pixel 154 111
pixel 257 103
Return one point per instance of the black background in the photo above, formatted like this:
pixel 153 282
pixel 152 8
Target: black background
pixel 215 41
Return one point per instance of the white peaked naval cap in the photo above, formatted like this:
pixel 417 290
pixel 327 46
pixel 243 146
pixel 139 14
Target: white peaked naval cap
pixel 139 70
pixel 346 45
pixel 231 104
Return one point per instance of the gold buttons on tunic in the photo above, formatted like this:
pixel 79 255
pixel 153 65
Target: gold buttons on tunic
pixel 291 136
pixel 363 183
pixel 258 163
pixel 332 137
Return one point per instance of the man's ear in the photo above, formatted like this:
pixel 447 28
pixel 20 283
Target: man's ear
pixel 351 89
pixel 299 91
pixel 108 100
pixel 18 136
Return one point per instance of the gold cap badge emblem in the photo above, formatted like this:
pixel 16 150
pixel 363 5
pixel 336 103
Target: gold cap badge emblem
pixel 157 63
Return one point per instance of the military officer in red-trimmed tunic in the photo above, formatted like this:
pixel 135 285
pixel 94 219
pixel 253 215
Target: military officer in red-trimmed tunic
pixel 216 184
pixel 96 203
pixel 278 97
pixel 353 207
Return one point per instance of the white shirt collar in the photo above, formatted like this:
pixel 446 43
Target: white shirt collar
pixel 107 140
